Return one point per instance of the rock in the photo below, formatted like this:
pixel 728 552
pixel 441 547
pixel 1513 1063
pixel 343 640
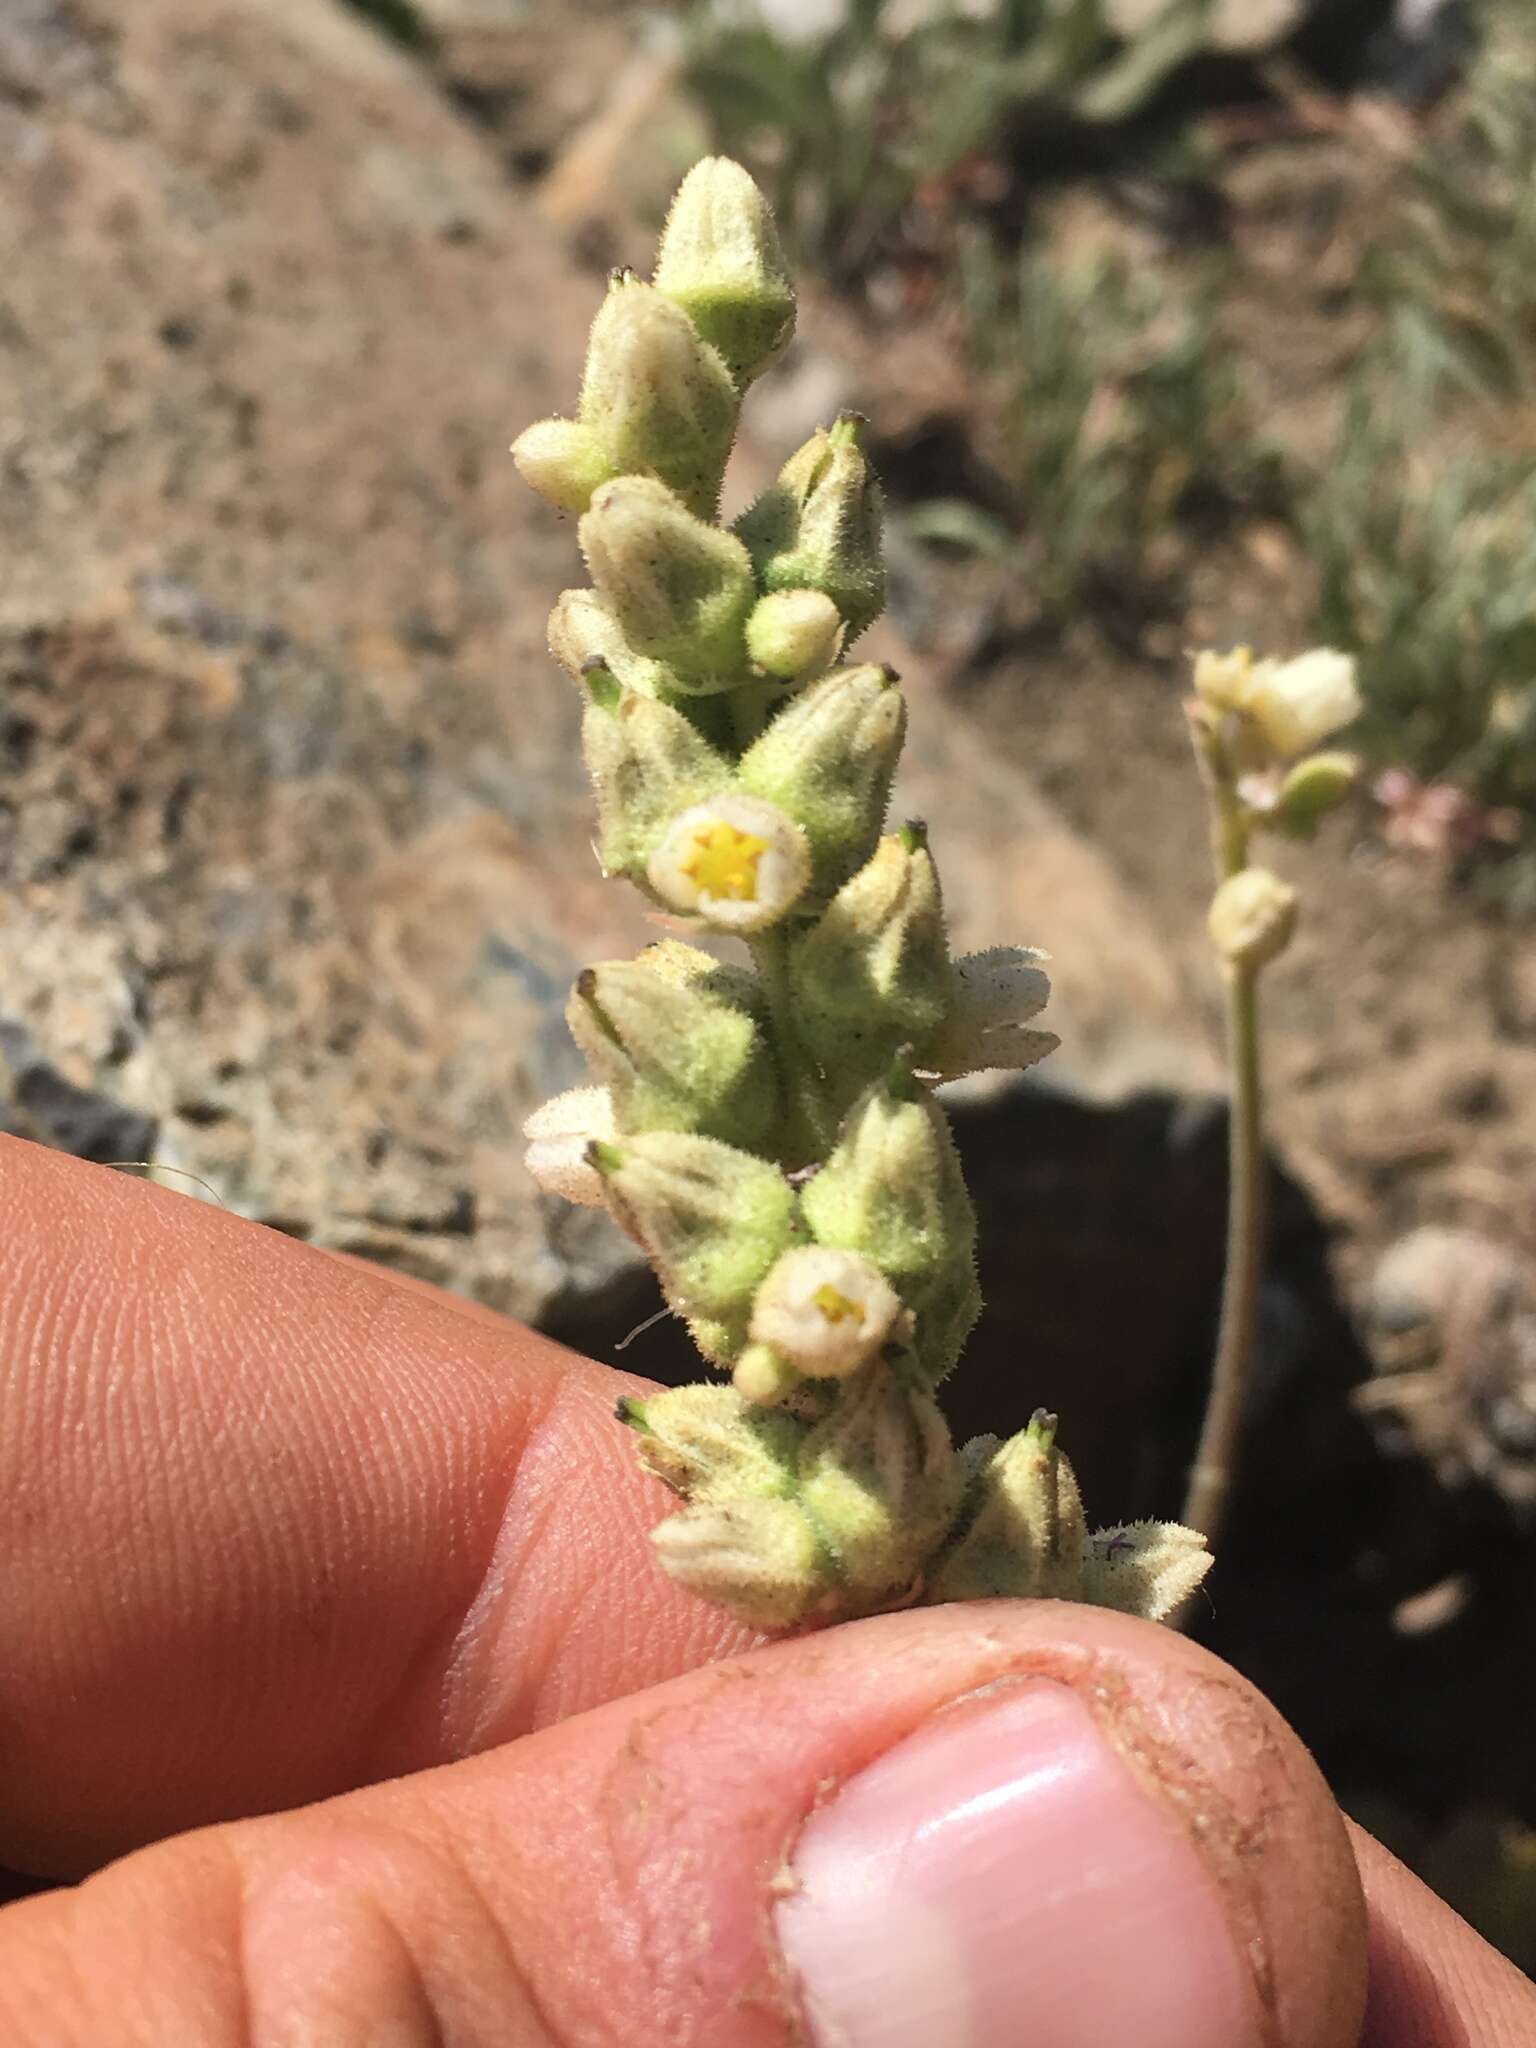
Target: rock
pixel 296 844
pixel 294 852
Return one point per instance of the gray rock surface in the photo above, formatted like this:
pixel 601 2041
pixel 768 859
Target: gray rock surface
pixel 294 860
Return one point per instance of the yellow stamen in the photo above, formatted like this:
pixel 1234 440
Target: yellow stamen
pixel 724 862
pixel 835 1305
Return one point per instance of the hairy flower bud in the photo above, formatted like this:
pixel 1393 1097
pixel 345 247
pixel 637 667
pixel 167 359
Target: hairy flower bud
pixel 985 1025
pixel 828 759
pixel 679 1051
pixel 647 762
pixel 708 1444
pixel 818 527
pixel 656 398
pixel 720 259
pixel 560 1135
pixel 711 1218
pixel 761 1560
pixel 584 632
pixel 795 634
pixel 892 1189
pixel 1026 1538
pixel 824 1312
pixel 680 589
pixel 564 461
pixel 873 973
pixel 880 1480
pixel 1145 1568
pixel 1252 918
pixel 733 861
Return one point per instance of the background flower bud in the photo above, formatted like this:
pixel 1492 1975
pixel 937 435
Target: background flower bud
pixel 564 462
pixel 819 527
pixel 1026 1537
pixel 680 589
pixel 892 1189
pixel 1252 918
pixel 880 1480
pixel 721 260
pixel 711 1218
pixel 656 398
pixel 795 634
pixel 735 861
pixel 708 1444
pixel 678 1054
pixel 647 762
pixel 826 1312
pixel 873 972
pixel 560 1135
pixel 828 759
pixel 1299 704
pixel 761 1560
pixel 1312 789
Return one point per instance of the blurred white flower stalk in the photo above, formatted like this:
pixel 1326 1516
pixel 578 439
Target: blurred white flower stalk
pixel 1259 730
pixel 767 1130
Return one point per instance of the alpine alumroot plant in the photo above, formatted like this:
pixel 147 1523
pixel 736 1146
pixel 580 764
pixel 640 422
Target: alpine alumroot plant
pixel 767 1130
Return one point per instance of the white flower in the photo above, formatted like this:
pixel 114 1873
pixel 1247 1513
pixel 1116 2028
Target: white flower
pixel 1296 705
pixel 558 1133
pixel 737 862
pixel 995 994
pixel 825 1311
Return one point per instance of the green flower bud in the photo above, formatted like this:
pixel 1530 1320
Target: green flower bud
pixel 647 762
pixel 795 634
pixel 1311 790
pixel 881 1482
pixel 712 1220
pixel 992 997
pixel 564 462
pixel 763 1376
pixel 1026 1537
pixel 873 972
pixel 1252 918
pixel 828 759
pixel 707 1444
pixel 678 1054
pixel 680 589
pixel 893 1190
pixel 825 1312
pixel 759 1559
pixel 1145 1568
pixel 583 632
pixel 656 398
pixel 819 526
pixel 733 861
pixel 720 259
pixel 560 1135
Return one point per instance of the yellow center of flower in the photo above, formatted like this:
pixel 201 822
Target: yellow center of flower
pixel 836 1306
pixel 724 862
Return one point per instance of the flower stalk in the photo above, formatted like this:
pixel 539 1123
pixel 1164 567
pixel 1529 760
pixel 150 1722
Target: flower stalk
pixel 1256 728
pixel 766 1128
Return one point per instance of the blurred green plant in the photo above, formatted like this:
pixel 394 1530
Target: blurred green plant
pixel 1424 547
pixel 1121 412
pixel 398 19
pixel 844 126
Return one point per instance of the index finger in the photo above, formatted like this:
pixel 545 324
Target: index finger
pixel 274 1525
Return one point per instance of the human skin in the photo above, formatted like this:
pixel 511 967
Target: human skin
pixel 331 1644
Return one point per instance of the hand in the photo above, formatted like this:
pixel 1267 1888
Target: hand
pixel 276 1527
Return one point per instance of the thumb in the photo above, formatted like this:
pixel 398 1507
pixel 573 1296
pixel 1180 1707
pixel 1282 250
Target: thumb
pixel 959 1828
